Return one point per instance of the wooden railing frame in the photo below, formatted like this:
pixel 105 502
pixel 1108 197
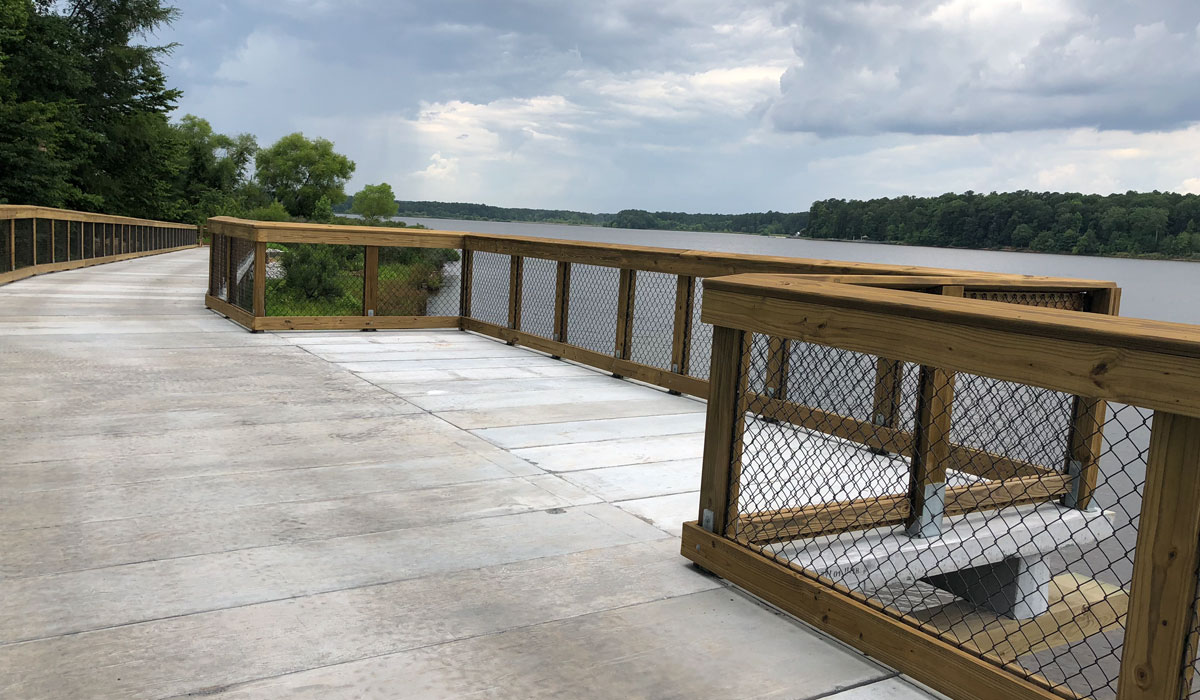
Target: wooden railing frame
pixel 119 245
pixel 1149 364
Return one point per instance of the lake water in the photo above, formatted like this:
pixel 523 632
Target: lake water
pixel 1158 289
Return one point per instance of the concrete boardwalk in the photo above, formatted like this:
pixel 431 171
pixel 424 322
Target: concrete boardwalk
pixel 190 509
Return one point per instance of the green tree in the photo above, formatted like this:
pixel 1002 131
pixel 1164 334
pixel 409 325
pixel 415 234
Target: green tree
pixel 323 211
pixel 375 202
pixel 298 172
pixel 83 106
pixel 212 175
pixel 272 212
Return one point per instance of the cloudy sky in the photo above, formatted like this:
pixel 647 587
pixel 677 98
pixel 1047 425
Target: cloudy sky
pixel 709 105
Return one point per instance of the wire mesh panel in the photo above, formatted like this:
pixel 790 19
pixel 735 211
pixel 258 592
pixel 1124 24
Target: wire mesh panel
pixel 654 319
pixel 23 243
pixel 702 334
pixel 411 278
pixel 61 235
pixel 242 265
pixel 592 308
pixel 76 237
pixel 974 520
pixel 44 241
pixel 1070 301
pixel 6 230
pixel 538 296
pixel 444 301
pixel 489 288
pixel 310 279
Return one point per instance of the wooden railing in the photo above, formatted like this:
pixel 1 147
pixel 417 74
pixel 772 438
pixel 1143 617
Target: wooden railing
pixel 629 310
pixel 1103 527
pixel 35 240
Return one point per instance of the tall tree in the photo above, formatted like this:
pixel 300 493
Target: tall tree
pixel 375 202
pixel 213 175
pixel 83 106
pixel 298 172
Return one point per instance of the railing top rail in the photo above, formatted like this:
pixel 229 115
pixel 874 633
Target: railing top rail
pixel 21 211
pixel 287 232
pixel 1147 363
pixel 697 263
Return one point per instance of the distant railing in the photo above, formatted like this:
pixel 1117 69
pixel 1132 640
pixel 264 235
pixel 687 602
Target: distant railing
pixel 1022 521
pixel 629 310
pixel 34 240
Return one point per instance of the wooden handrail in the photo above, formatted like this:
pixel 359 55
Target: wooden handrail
pixel 695 263
pixel 21 211
pixel 1147 363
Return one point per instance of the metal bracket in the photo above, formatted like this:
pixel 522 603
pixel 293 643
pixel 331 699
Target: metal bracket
pixel 771 392
pixel 370 312
pixel 675 367
pixel 1074 470
pixel 706 521
pixel 930 522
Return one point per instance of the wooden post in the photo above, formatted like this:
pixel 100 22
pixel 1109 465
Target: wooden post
pixel 723 429
pixel 516 288
pixel 33 236
pixel 562 300
pixel 681 342
pixel 370 280
pixel 885 408
pixel 1162 595
pixel 53 247
pixel 230 273
pixel 626 289
pixel 12 244
pixel 260 279
pixel 931 448
pixel 465 277
pixel 1087 422
pixel 778 352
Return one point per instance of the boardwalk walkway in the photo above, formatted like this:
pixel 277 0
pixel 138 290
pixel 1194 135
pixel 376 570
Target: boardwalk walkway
pixel 190 509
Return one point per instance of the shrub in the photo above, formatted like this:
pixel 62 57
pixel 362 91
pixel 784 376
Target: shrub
pixel 311 272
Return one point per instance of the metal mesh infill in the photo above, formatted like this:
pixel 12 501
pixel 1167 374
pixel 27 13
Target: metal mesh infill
pixel 999 517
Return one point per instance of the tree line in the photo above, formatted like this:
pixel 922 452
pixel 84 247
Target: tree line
pixel 84 124
pixel 766 223
pixel 1152 224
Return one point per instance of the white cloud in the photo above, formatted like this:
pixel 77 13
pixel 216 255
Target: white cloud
pixel 715 105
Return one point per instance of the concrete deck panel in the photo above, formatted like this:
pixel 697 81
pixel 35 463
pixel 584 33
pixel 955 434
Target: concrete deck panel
pixel 187 508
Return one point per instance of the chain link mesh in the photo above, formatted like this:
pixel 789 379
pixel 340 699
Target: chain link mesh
pixel 415 282
pixel 23 243
pixel 59 237
pixel 6 230
pixel 306 279
pixel 700 356
pixel 489 288
pixel 44 243
pixel 538 296
pixel 242 262
pixel 1070 301
pixel 1005 571
pixel 653 318
pixel 89 242
pixel 593 308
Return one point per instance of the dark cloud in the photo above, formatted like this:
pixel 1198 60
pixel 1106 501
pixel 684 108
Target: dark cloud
pixel 965 67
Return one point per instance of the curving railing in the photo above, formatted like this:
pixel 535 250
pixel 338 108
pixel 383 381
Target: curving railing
pixel 36 240
pixel 630 310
